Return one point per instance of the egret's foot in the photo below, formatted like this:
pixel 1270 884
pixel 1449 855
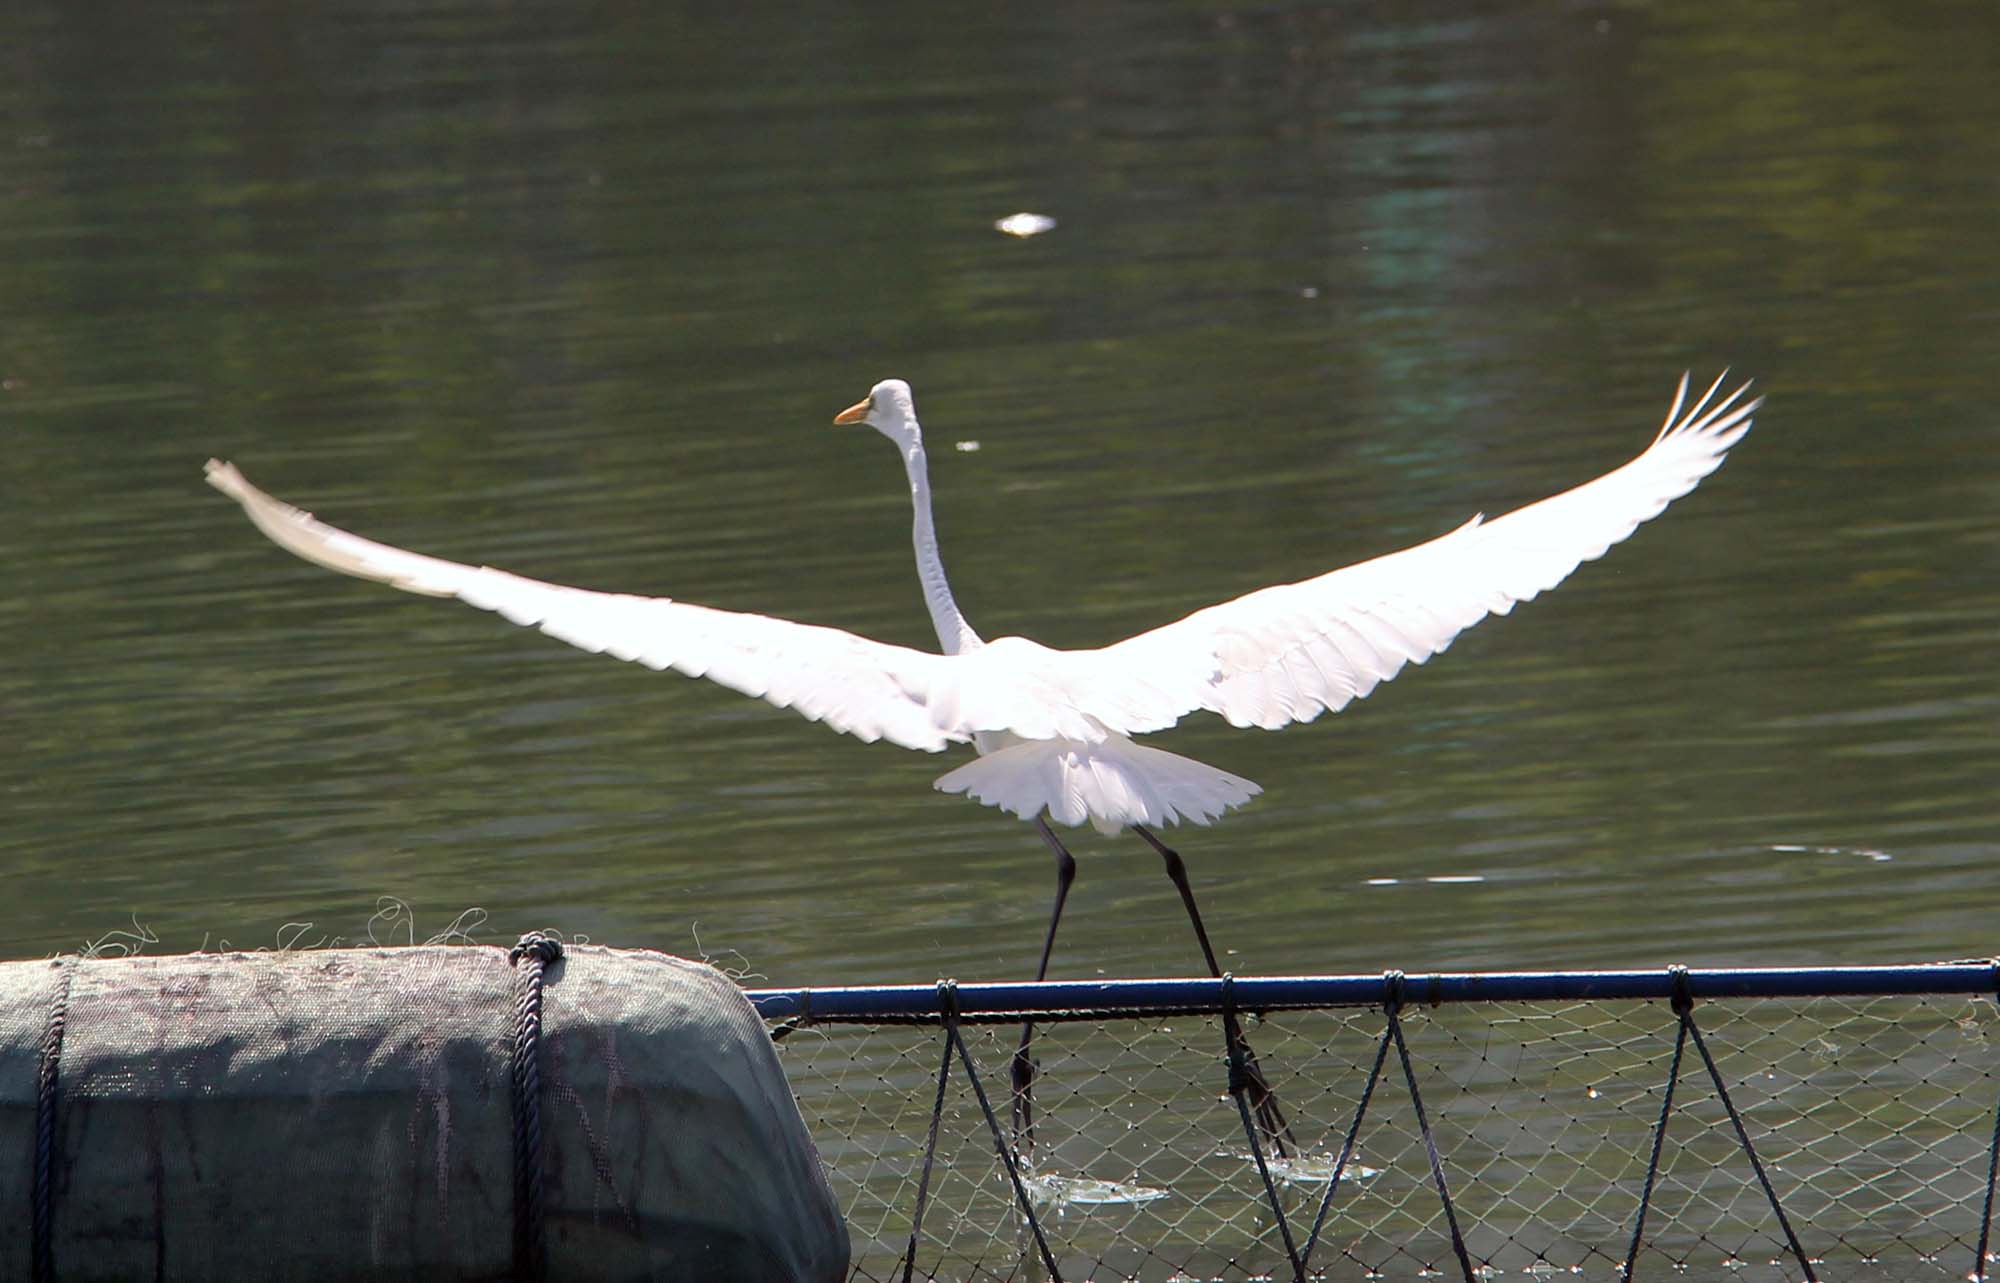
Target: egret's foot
pixel 1021 1073
pixel 1270 1116
pixel 1264 1105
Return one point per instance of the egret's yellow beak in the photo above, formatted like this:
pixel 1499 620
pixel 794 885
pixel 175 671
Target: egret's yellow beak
pixel 854 413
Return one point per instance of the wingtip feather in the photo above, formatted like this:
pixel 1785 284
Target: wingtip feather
pixel 223 475
pixel 1674 410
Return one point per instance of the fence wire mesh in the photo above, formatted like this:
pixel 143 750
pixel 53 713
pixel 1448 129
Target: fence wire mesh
pixel 1873 1117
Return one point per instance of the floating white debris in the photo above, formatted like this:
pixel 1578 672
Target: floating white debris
pixel 1456 877
pixel 1306 1169
pixel 966 447
pixel 1025 224
pixel 1384 882
pixel 1317 1169
pixel 1867 853
pixel 1081 1191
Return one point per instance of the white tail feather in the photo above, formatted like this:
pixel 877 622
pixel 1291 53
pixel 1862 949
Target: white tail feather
pixel 1112 783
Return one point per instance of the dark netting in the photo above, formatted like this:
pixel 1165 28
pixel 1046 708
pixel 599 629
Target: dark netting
pixel 1872 1119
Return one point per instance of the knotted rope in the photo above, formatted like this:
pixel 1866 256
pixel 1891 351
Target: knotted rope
pixel 48 1100
pixel 530 958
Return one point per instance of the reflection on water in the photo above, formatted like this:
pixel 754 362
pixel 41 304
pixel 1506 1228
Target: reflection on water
pixel 577 295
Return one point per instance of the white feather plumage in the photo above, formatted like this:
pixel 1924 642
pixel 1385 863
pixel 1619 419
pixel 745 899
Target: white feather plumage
pixel 1052 726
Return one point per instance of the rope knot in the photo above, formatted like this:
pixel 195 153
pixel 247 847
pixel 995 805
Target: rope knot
pixel 545 946
pixel 1392 991
pixel 948 1000
pixel 1682 1001
pixel 797 1020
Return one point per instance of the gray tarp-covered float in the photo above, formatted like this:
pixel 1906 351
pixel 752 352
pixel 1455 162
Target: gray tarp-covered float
pixel 433 1113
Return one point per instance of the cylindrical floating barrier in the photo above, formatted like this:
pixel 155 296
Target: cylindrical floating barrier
pixel 432 1113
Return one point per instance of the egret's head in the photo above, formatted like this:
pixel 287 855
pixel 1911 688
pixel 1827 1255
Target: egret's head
pixel 888 410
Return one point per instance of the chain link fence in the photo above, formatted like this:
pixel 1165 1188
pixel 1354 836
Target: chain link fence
pixel 1872 1119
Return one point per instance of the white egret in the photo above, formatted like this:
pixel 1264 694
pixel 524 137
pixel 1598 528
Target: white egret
pixel 1052 728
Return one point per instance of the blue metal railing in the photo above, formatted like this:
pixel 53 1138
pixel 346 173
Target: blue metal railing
pixel 1053 999
pixel 949 1004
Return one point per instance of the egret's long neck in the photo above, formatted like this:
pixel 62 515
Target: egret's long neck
pixel 954 634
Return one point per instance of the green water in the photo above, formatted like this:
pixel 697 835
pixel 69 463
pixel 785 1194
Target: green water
pixel 575 291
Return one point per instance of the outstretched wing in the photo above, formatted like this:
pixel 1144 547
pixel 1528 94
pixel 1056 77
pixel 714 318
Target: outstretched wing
pixel 1275 656
pixel 866 688
pixel 1286 654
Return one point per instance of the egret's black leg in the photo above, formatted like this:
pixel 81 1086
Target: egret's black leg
pixel 1270 1117
pixel 1177 870
pixel 1024 1065
pixel 1065 874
